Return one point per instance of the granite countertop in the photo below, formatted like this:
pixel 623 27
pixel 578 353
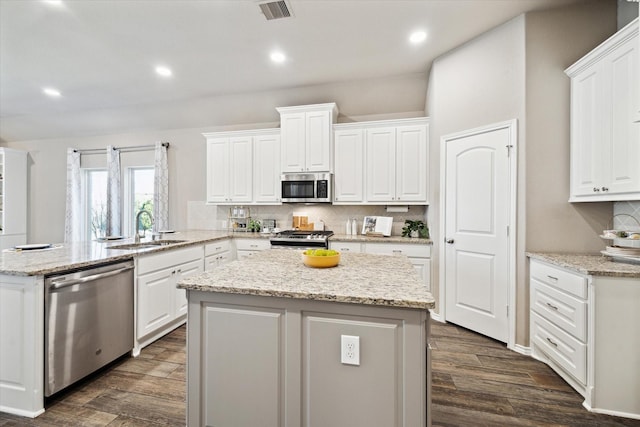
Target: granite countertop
pixel 367 279
pixel 372 239
pixel 594 265
pixel 71 256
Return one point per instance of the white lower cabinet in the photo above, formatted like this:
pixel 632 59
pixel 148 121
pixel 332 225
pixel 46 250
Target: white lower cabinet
pixel 160 306
pixel 216 254
pixel 247 247
pixel 585 328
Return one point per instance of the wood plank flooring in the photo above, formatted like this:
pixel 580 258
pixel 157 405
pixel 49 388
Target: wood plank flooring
pixel 476 382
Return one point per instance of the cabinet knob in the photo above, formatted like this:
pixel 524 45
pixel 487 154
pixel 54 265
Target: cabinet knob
pixel 605 189
pixel 449 241
pixel 596 189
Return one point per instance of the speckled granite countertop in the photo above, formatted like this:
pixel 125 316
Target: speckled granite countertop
pixel 595 265
pixel 370 239
pixel 71 256
pixel 367 279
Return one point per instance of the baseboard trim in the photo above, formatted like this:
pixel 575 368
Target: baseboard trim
pixel 522 350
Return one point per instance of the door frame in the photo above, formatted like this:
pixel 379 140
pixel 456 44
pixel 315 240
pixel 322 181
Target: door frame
pixel 512 127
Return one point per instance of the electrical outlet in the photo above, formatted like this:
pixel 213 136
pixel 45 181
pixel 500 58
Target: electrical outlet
pixel 224 224
pixel 350 350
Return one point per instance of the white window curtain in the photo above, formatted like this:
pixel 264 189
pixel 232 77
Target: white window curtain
pixel 161 189
pixel 73 215
pixel 114 199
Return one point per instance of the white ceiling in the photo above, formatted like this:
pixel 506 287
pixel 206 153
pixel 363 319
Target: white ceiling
pixel 101 54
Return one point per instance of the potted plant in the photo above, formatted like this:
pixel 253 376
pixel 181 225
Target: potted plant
pixel 254 225
pixel 415 229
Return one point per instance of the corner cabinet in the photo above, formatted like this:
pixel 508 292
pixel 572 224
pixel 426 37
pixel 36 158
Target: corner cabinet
pixel 605 141
pixel 243 167
pixel 307 138
pixel 382 162
pixel 585 328
pixel 13 198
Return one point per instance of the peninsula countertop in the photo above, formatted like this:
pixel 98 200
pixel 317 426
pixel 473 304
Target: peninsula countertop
pixel 594 265
pixel 367 279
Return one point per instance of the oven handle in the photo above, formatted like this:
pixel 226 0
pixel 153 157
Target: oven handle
pixel 66 283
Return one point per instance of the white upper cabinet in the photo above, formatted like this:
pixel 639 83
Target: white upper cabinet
pixel 605 141
pixel 243 167
pixel 349 163
pixel 266 168
pixel 397 162
pixel 307 138
pixel 13 197
pixel 382 162
pixel 229 169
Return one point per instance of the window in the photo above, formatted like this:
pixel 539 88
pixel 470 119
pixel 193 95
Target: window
pixel 138 189
pixel 95 203
pixel 140 197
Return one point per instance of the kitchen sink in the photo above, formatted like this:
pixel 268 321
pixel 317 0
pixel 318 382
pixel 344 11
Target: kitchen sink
pixel 145 245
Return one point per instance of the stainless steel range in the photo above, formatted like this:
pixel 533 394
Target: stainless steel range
pixel 301 239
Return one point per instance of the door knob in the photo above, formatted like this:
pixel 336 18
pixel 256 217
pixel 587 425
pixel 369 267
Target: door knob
pixel 449 241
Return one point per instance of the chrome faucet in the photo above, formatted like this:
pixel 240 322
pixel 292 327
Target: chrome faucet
pixel 137 238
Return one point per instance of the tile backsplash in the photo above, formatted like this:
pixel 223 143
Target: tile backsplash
pixel 211 217
pixel 626 216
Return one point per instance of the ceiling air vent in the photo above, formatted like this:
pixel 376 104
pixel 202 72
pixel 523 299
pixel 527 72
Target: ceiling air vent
pixel 275 9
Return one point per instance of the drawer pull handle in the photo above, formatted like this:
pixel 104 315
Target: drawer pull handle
pixel 552 278
pixel 253 246
pixel 396 251
pixel 551 306
pixel 551 342
pixel 344 249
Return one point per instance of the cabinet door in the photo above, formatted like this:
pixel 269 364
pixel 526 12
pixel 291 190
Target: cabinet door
pixel 381 160
pixel 411 164
pixel 623 168
pixel 155 300
pixel 349 159
pixel 266 181
pixel 318 141
pixel 241 169
pixel 587 123
pixel 293 142
pixel 181 271
pixel 423 268
pixel 218 170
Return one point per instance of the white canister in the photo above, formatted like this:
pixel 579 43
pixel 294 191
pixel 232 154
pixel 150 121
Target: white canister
pixel 347 230
pixel 354 227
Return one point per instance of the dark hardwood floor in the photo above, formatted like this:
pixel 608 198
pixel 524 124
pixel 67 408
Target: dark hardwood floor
pixel 476 382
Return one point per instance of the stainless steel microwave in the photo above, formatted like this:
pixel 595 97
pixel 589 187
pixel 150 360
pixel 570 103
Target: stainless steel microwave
pixel 307 187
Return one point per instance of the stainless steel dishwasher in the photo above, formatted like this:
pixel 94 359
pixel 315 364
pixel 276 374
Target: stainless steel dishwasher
pixel 88 322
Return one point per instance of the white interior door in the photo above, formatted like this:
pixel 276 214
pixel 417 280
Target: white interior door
pixel 477 215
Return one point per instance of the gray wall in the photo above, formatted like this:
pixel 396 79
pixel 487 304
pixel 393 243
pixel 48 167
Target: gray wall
pixel 516 72
pixel 627 12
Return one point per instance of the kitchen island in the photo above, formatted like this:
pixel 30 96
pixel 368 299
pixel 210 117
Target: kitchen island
pixel 265 343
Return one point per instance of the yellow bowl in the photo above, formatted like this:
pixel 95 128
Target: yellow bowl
pixel 320 261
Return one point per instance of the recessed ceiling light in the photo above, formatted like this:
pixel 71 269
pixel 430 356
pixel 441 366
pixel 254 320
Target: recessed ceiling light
pixel 278 57
pixel 54 93
pixel 163 71
pixel 53 2
pixel 417 37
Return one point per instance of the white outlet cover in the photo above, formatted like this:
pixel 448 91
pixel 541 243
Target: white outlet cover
pixel 350 350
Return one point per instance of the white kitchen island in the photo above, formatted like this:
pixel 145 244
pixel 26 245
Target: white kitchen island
pixel 264 343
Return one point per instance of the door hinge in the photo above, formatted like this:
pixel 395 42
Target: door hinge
pixel 507 311
pixel 509 147
pixel 507 231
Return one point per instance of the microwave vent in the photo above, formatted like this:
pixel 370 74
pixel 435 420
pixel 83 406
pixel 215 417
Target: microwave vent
pixel 275 9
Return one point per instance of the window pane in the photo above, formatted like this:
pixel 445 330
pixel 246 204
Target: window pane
pixel 96 203
pixel 142 191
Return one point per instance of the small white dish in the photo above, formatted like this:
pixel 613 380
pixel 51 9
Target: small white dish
pixel 32 246
pixel 166 231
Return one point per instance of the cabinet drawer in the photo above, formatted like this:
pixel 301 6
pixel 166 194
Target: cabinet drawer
pixel 217 247
pixel 559 278
pixel 564 311
pixel 410 250
pixel 168 258
pixel 346 246
pixel 566 351
pixel 252 244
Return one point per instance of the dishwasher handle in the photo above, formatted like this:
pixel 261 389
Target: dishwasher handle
pixel 66 283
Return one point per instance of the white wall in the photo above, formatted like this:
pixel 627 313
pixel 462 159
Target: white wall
pixel 394 97
pixel 515 71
